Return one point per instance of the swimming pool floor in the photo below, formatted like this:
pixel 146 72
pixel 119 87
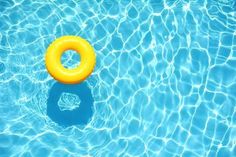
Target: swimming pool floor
pixel 164 83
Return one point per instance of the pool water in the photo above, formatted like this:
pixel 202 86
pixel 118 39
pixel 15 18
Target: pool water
pixel 164 83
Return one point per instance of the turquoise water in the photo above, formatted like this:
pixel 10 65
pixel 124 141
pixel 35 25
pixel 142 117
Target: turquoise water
pixel 164 83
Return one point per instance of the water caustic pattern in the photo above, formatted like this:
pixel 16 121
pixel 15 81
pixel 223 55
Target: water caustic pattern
pixel 164 83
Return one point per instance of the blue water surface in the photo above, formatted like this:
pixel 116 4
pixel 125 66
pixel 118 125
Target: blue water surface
pixel 164 83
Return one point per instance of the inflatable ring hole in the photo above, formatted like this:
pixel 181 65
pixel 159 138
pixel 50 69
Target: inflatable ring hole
pixel 70 59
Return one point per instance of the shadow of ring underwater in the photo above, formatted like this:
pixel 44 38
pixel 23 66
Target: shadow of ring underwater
pixel 78 116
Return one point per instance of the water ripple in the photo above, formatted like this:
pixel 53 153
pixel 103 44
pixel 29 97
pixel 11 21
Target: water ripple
pixel 164 83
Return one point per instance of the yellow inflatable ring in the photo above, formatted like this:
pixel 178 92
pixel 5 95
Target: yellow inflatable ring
pixel 58 71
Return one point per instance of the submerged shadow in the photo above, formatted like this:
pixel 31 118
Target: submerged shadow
pixel 77 116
